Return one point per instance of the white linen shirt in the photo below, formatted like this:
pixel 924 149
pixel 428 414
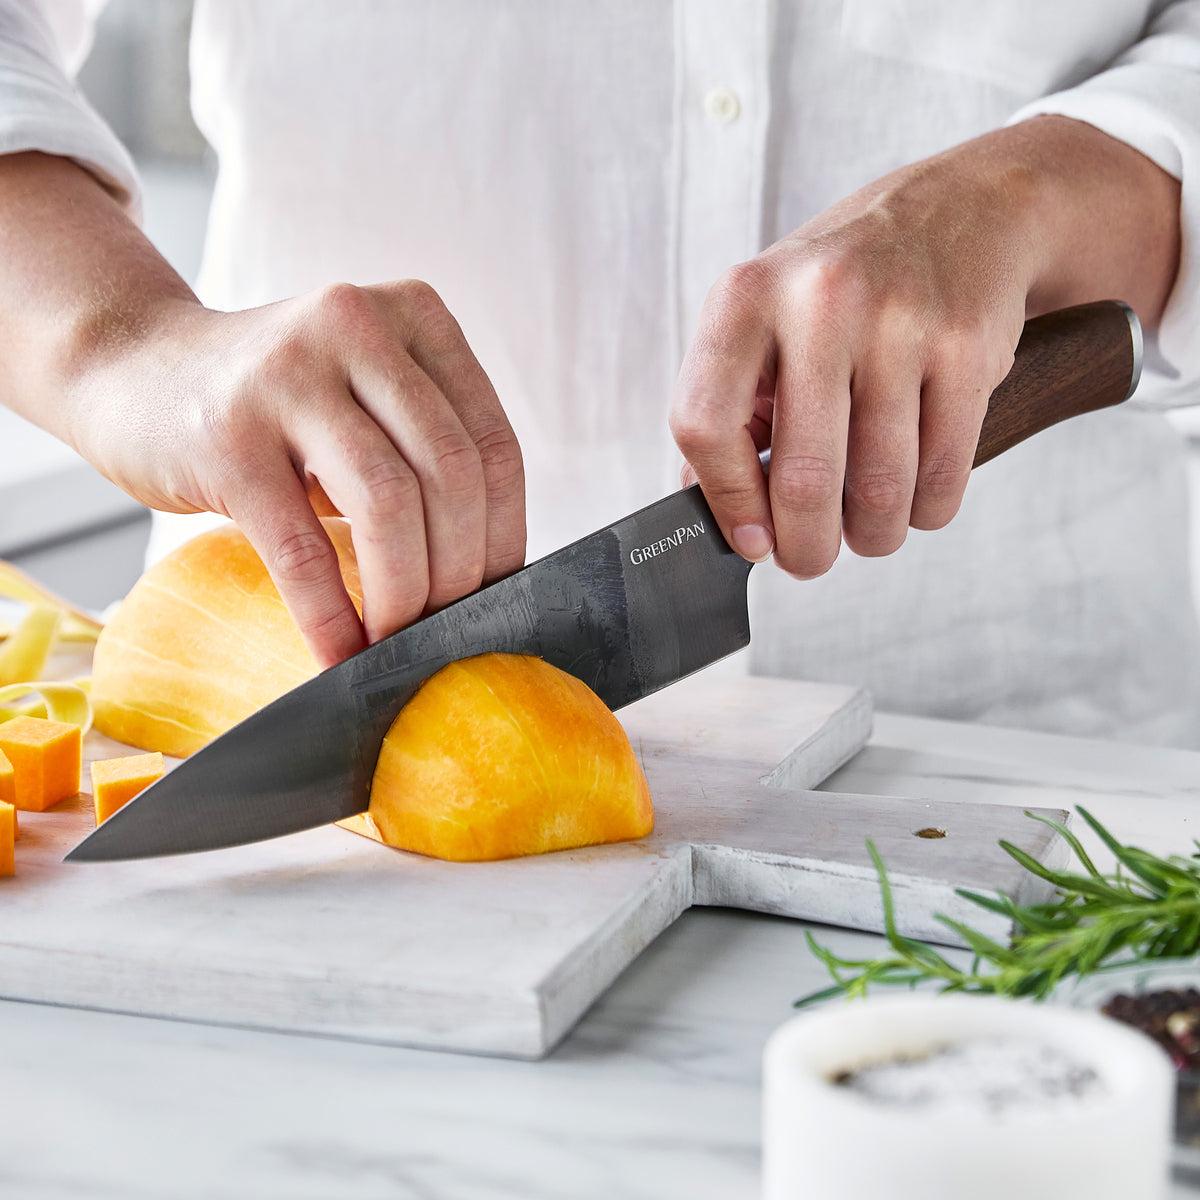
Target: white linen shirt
pixel 572 177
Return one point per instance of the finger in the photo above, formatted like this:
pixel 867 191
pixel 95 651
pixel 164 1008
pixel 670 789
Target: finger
pixel 437 344
pixel 713 407
pixel 882 453
pixel 441 459
pixel 273 511
pixel 808 455
pixel 368 478
pixel 954 399
pixel 759 429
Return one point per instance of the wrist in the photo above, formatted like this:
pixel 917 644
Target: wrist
pixel 80 286
pixel 1099 220
pixel 110 348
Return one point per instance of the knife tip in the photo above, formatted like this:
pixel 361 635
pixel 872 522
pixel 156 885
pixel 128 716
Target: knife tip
pixel 79 854
pixel 92 849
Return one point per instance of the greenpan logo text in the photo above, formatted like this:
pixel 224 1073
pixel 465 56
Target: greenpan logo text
pixel 639 554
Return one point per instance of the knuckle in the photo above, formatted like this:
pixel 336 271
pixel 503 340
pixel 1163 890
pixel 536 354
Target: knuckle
pixel 344 305
pixel 898 324
pixel 455 579
pixel 411 597
pixel 744 285
pixel 942 473
pixel 971 358
pixel 454 463
pixel 879 492
pixel 304 556
pixel 335 624
pixel 806 482
pixel 427 320
pixel 500 453
pixel 958 351
pixel 422 302
pixel 731 496
pixel 826 285
pixel 504 554
pixel 693 426
pixel 386 487
pixel 410 592
pixel 736 303
pixel 941 481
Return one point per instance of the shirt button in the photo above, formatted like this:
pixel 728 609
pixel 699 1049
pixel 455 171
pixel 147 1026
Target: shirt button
pixel 723 105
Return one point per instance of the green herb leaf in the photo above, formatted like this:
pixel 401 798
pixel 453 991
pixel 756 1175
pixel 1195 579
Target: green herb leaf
pixel 1147 908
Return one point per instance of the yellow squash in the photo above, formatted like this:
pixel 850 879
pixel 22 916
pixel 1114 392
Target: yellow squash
pixel 502 755
pixel 201 642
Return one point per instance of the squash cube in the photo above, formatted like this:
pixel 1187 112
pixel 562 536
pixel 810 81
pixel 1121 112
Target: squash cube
pixel 8 835
pixel 115 781
pixel 46 758
pixel 8 782
pixel 8 793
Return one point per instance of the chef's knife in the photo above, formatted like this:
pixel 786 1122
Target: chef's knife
pixel 628 610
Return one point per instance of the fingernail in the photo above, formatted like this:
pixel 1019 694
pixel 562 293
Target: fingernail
pixel 753 542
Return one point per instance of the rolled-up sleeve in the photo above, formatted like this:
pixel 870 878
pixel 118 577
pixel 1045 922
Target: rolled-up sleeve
pixel 41 108
pixel 1150 98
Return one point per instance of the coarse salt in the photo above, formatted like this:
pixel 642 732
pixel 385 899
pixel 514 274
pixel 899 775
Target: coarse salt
pixel 989 1076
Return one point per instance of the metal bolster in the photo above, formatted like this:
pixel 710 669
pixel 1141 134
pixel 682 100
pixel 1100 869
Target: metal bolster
pixel 1135 333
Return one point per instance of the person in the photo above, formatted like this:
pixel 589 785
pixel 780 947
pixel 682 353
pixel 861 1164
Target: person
pixel 830 219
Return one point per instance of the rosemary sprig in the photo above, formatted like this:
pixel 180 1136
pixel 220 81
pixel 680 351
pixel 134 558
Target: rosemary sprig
pixel 1147 908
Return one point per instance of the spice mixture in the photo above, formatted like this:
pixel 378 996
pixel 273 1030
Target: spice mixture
pixel 1172 1018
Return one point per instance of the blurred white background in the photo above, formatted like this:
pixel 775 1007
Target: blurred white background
pixel 58 518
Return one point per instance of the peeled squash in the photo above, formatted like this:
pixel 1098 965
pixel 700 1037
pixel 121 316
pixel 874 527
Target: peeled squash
pixel 502 755
pixel 201 642
pixel 494 757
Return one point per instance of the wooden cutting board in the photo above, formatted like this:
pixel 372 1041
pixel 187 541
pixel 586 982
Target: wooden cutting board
pixel 328 932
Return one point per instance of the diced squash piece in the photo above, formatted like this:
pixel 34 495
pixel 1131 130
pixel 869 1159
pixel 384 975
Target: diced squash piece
pixel 46 758
pixel 503 755
pixel 8 791
pixel 115 781
pixel 8 836
pixel 8 782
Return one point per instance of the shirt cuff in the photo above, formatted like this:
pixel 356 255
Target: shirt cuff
pixel 1156 110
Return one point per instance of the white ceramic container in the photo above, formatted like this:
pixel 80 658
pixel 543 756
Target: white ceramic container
pixel 823 1141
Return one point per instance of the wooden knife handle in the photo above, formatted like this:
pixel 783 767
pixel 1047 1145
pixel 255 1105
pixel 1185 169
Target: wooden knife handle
pixel 1068 362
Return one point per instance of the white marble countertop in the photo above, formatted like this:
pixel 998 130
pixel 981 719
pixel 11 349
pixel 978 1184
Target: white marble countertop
pixel 655 1094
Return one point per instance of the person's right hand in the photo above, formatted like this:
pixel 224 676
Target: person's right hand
pixel 361 400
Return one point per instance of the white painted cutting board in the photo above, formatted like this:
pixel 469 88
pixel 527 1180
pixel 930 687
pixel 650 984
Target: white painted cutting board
pixel 328 932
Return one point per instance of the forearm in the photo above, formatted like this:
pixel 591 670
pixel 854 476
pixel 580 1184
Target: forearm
pixel 79 284
pixel 366 398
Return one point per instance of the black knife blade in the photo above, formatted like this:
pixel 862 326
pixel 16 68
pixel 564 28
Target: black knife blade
pixel 628 610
